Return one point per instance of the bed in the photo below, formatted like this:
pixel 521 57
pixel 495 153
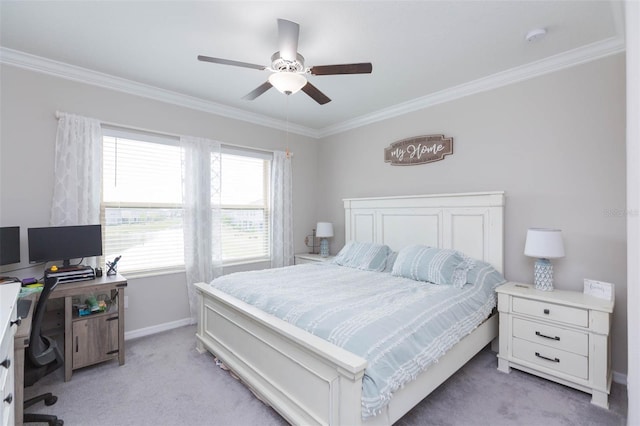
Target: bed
pixel 311 381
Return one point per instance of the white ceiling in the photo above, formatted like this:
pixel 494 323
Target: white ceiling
pixel 421 51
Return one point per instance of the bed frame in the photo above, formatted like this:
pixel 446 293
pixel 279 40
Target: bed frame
pixel 311 381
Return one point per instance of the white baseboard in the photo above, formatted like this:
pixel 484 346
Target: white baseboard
pixel 147 331
pixel 620 378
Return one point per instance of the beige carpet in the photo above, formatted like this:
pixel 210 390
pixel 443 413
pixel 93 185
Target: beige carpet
pixel 165 381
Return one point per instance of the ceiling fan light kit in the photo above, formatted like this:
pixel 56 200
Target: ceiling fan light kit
pixel 535 34
pixel 288 67
pixel 287 82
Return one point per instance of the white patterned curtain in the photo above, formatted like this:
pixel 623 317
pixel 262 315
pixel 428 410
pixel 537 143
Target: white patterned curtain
pixel 202 214
pixel 77 188
pixel 281 211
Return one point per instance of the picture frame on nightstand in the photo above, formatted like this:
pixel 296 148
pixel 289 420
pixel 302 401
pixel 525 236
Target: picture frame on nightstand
pixel 600 289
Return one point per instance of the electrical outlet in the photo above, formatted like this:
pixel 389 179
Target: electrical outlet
pixel 126 302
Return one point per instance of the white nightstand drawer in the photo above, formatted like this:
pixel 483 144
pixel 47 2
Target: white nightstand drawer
pixel 552 312
pixel 548 335
pixel 555 359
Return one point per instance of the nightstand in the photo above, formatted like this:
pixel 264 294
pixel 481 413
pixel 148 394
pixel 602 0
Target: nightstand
pixel 558 335
pixel 301 258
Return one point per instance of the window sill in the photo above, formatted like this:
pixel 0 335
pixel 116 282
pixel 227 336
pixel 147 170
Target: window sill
pixel 245 262
pixel 152 272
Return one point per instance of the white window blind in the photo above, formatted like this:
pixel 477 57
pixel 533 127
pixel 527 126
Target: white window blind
pixel 142 202
pixel 245 206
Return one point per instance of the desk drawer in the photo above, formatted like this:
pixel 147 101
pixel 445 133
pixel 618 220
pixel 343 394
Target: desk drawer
pixel 555 359
pixel 6 354
pixel 549 335
pixel 7 391
pixel 552 312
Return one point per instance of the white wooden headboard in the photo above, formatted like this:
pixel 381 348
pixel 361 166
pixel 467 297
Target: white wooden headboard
pixel 472 223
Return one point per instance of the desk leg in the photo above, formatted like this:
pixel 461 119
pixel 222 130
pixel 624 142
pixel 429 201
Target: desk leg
pixel 68 338
pixel 121 325
pixel 18 359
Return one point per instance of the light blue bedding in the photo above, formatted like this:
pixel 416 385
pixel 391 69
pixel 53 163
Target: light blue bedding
pixel 400 326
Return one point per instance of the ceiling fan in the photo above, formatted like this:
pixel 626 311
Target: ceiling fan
pixel 288 69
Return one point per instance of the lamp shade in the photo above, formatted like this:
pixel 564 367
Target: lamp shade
pixel 544 243
pixel 324 230
pixel 287 82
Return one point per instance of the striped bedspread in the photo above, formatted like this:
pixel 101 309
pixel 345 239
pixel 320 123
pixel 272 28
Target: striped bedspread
pixel 400 326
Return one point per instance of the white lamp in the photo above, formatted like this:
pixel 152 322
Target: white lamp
pixel 287 82
pixel 544 244
pixel 324 230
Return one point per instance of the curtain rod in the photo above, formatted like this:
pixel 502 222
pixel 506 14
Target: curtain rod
pixel 174 135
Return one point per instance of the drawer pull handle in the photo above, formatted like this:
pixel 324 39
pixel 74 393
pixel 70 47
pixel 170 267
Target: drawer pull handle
pixel 548 359
pixel 546 311
pixel 9 399
pixel 547 337
pixel 6 363
pixel 17 322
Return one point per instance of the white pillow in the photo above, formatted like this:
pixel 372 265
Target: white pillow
pixel 434 265
pixel 366 256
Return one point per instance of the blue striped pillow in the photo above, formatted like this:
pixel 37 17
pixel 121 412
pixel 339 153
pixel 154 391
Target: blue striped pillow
pixel 366 256
pixel 434 265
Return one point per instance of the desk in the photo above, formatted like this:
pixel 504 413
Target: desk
pixel 21 342
pixel 8 296
pixel 93 338
pixel 88 328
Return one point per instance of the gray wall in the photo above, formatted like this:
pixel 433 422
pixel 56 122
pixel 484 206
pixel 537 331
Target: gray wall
pixel 28 103
pixel 555 144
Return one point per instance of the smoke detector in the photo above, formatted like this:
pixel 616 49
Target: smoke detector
pixel 535 35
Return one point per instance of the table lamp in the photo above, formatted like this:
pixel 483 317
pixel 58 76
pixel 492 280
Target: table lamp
pixel 324 230
pixel 544 244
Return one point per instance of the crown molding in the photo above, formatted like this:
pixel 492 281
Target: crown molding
pixel 39 64
pixel 548 65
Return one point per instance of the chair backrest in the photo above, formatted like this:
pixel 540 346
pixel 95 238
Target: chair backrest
pixel 42 350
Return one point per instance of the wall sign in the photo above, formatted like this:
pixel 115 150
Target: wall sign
pixel 418 150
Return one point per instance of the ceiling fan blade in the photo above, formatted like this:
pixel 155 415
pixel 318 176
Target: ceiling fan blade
pixel 257 91
pixel 230 62
pixel 361 68
pixel 316 94
pixel 288 33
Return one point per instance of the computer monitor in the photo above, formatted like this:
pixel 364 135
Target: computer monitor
pixel 55 243
pixel 9 245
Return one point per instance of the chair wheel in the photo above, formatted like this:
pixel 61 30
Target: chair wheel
pixel 60 422
pixel 51 400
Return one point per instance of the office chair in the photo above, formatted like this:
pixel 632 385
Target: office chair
pixel 42 357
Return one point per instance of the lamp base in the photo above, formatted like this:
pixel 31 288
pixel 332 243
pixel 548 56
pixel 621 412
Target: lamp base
pixel 324 247
pixel 543 275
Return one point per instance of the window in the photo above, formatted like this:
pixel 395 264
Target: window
pixel 244 198
pixel 142 203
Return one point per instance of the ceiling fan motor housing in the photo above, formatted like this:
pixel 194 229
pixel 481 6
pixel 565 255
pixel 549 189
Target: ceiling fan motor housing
pixel 280 64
